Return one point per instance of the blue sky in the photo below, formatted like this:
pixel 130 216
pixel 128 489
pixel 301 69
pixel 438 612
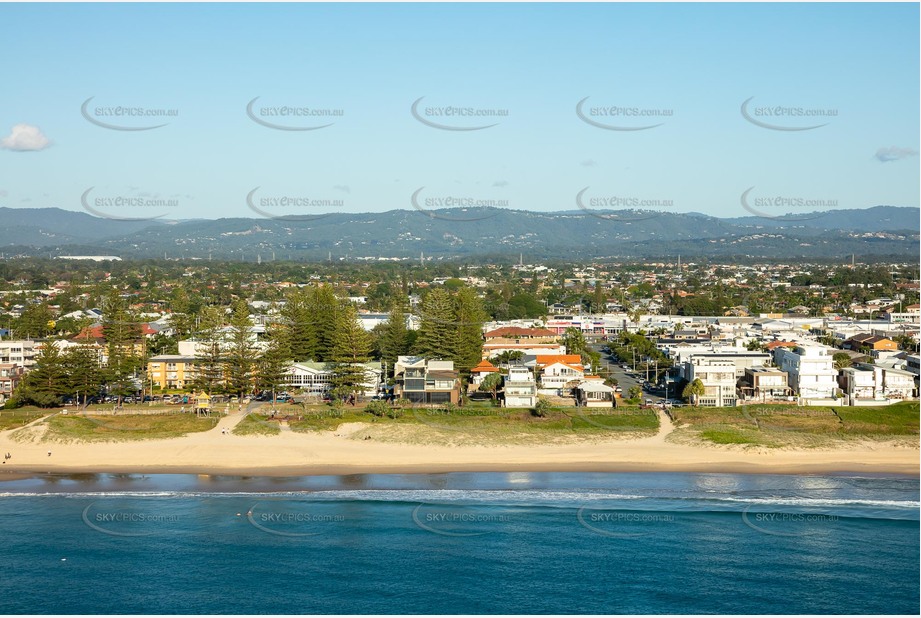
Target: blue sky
pixel 695 63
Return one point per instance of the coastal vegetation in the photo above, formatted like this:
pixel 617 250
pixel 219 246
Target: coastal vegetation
pixel 789 426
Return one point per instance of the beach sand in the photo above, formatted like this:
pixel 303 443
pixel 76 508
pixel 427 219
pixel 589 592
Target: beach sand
pixel 346 452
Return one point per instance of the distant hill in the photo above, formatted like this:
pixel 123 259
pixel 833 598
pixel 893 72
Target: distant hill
pixel 44 227
pixel 472 233
pixel 876 219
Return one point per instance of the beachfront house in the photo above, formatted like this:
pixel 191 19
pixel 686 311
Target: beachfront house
pixel 719 379
pixel 555 376
pixel 479 373
pixel 520 388
pixel 594 394
pixel 866 384
pixel 315 379
pixel 10 377
pixel 425 381
pixel 810 371
pixel 764 384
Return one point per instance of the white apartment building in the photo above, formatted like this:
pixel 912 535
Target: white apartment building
pixel 520 388
pixel 865 384
pixel 810 370
pixel 19 352
pixel 719 379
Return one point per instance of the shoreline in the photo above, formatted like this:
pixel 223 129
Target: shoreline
pixel 282 471
pixel 362 448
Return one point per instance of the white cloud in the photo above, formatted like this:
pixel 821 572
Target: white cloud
pixel 25 137
pixel 894 153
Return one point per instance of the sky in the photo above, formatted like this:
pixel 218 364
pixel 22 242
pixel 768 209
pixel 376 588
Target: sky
pixel 831 119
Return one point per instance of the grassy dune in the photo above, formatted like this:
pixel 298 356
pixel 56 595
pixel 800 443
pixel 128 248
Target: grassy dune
pixel 89 428
pixel 11 419
pixel 484 423
pixel 780 425
pixel 256 425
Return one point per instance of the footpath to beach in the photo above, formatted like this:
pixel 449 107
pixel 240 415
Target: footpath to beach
pixel 360 448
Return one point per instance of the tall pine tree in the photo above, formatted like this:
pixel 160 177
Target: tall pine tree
pixel 438 329
pixel 469 316
pixel 394 340
pixel 324 310
pixel 351 347
pixel 297 339
pixel 209 352
pixel 242 353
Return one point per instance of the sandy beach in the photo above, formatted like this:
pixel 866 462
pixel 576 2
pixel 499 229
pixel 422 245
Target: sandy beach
pixel 345 451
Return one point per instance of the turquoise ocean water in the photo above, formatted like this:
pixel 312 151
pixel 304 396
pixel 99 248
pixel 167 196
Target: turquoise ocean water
pixel 460 543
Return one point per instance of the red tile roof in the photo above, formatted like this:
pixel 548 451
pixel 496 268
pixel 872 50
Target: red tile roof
pixel 484 367
pixel 549 359
pixel 95 332
pixel 517 331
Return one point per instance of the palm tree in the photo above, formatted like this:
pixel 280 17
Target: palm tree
pixel 842 360
pixel 693 391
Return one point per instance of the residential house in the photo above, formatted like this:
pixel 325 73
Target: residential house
pixel 483 369
pixel 257 339
pixel 491 350
pixel 520 388
pixel 594 394
pixel 810 371
pixel 911 313
pixel 517 334
pixel 426 381
pixel 10 377
pixel 764 384
pixel 316 378
pixel 558 371
pixel 868 343
pixel 865 384
pixel 719 379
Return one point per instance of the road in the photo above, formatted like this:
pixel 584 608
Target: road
pixel 611 367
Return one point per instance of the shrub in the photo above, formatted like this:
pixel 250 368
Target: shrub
pixel 542 408
pixel 378 408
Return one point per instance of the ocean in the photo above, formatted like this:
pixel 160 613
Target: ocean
pixel 468 543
